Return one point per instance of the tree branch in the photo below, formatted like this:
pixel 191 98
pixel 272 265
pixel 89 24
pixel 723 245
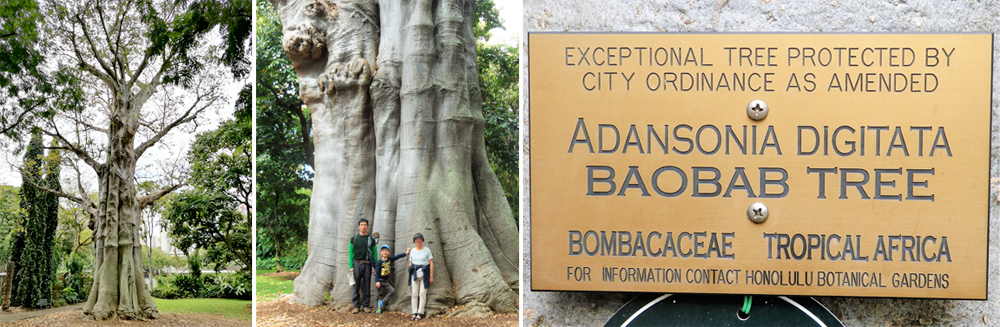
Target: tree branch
pixel 67 145
pixel 151 198
pixel 305 125
pixel 188 116
pixel 54 192
pixel 20 117
pixel 93 49
pixel 88 67
pixel 88 125
pixel 88 204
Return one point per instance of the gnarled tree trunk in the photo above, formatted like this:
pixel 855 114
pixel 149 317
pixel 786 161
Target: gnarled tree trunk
pixel 426 169
pixel 119 288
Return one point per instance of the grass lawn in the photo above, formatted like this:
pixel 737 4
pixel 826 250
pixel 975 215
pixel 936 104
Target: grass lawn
pixel 239 309
pixel 269 288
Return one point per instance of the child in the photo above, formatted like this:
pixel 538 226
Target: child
pixel 421 276
pixel 383 271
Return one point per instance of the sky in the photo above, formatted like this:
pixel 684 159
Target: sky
pixel 510 13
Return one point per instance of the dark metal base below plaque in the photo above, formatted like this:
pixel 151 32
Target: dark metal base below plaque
pixel 721 310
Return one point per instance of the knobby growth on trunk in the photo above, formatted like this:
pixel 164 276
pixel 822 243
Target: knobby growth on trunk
pixel 398 135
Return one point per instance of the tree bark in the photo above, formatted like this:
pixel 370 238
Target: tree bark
pixel 118 288
pixel 331 46
pixel 426 169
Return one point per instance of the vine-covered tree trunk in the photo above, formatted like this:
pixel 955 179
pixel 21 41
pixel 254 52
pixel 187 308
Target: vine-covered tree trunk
pixel 119 289
pixel 431 174
pixel 16 249
pixel 52 170
pixel 34 255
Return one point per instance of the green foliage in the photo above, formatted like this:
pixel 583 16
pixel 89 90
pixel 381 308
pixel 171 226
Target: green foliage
pixel 284 146
pixel 227 286
pixel 208 220
pixel 10 219
pixel 165 288
pixel 27 91
pixel 50 212
pixel 293 258
pixel 498 84
pixel 34 268
pixel 57 296
pixel 233 18
pixel 208 217
pixel 223 157
pixel 194 265
pixel 76 280
pixel 23 86
pixel 160 259
pixel 487 18
pixel 181 35
pixel 188 285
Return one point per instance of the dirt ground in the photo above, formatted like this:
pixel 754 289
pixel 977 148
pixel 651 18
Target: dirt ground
pixel 286 275
pixel 282 313
pixel 73 318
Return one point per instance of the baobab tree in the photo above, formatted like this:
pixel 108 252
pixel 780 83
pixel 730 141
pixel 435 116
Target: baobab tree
pixel 147 69
pixel 398 129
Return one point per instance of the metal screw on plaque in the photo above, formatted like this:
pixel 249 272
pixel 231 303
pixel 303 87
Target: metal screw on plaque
pixel 757 212
pixel 757 109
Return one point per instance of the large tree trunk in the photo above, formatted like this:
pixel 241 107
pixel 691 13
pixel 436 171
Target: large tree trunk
pixel 426 170
pixel 331 48
pixel 119 289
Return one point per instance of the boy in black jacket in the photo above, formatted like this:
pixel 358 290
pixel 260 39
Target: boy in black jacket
pixel 383 271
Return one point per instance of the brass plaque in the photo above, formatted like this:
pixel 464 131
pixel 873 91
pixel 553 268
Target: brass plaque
pixel 872 163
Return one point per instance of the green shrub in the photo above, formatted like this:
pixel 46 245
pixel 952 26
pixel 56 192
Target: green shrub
pixel 71 295
pixel 58 296
pixel 188 286
pixel 77 283
pixel 292 258
pixel 295 257
pixel 266 264
pixel 194 262
pixel 165 288
pixel 235 286
pixel 226 286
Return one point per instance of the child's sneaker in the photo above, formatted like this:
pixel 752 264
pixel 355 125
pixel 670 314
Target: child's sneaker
pixel 379 310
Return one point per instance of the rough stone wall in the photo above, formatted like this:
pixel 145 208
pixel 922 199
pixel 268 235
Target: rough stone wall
pixel 904 16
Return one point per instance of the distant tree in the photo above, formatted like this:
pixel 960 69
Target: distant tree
pixel 202 219
pixel 10 219
pixel 72 233
pixel 209 216
pixel 498 80
pixel 284 145
pixel 33 259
